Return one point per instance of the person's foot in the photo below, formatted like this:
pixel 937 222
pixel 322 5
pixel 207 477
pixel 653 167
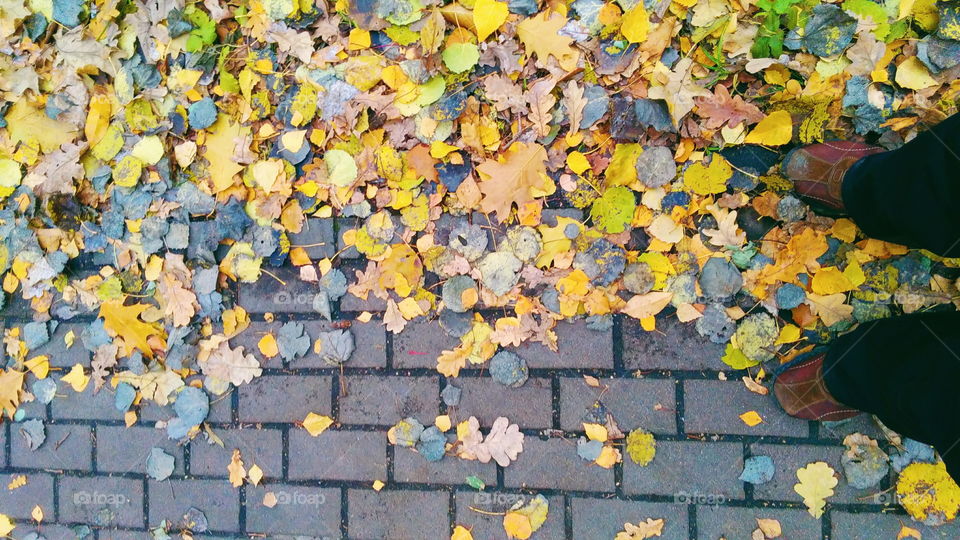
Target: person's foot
pixel 801 392
pixel 817 171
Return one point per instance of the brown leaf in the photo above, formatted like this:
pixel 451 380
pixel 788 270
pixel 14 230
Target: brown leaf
pixel 512 179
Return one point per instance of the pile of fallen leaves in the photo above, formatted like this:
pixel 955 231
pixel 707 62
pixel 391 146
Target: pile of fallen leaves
pixel 536 161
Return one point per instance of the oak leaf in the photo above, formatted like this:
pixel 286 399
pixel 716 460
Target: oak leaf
pixel 541 35
pixel 517 177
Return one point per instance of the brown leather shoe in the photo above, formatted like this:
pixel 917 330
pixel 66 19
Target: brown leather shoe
pixel 801 392
pixel 817 172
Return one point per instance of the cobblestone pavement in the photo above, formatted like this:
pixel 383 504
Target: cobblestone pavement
pixel 91 471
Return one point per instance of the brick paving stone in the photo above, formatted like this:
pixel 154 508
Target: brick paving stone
pixel 578 347
pixel 715 522
pixel 263 447
pixel 688 470
pixel 33 409
pixel 604 518
pixel 420 343
pixel 409 466
pixel 67 447
pixel 344 224
pixel 338 455
pixel 18 503
pixel 787 459
pixel 85 405
pixel 300 510
pixel 125 450
pixel 673 346
pixel 316 231
pixel 268 295
pixel 369 339
pixel 48 531
pixel 554 464
pixel 372 303
pixel 219 501
pixel 836 431
pixel 487 527
pixel 397 514
pixel 102 501
pixel 104 534
pixel 221 409
pixel 633 403
pixel 529 406
pixel 56 348
pixel 715 407
pixel 283 398
pixel 249 338
pixel 872 526
pixel 384 401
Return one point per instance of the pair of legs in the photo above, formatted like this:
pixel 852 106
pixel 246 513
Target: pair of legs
pixel 905 370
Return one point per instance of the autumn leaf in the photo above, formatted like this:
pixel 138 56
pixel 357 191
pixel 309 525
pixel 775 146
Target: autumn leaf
pixel 488 16
pixel 515 179
pixel 645 529
pixel 721 109
pixel 817 481
pixel 11 383
pixel 236 469
pixel 124 321
pixel 541 35
pixel 226 364
pixel 220 146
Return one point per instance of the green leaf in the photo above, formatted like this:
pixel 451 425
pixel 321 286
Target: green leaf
pixel 735 358
pixel 613 211
pixel 461 57
pixel 475 482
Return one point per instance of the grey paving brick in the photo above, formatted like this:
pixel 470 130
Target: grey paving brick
pixel 490 527
pixel 218 500
pixel 420 344
pixel 554 464
pixel 578 347
pixel 220 409
pixel 673 345
pixel 633 403
pixel 85 405
pixel 338 455
pixel 549 215
pixel 249 338
pixel 33 409
pixel 715 522
pixel 409 466
pixel 864 423
pixel 106 534
pixel 370 342
pixel 46 530
pixel 263 447
pixel 300 510
pixel 68 447
pixel 871 526
pixel 384 401
pixel 269 295
pixel 688 470
pixel 103 501
pixel 787 459
pixel 125 450
pixel 344 225
pixel 397 514
pixel 530 406
pixel 282 398
pixel 715 407
pixel 316 238
pixel 56 348
pixel 351 303
pixel 18 503
pixel 604 518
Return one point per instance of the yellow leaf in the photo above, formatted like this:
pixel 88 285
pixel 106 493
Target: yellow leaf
pixel 926 490
pixel 358 40
pixel 39 366
pixel 6 525
pixel 37 514
pixel 255 474
pixel 316 424
pixel 708 180
pixel 636 24
pixel 268 346
pixel 236 470
pixel 517 177
pixel 461 533
pixel 830 308
pixel 220 145
pixel 517 525
pixel 909 532
pixel 912 74
pixel 124 321
pixel 440 149
pixel 817 481
pixel 595 432
pixel 378 485
pixel 76 378
pixel 830 280
pixel 17 481
pixel 488 16
pixel 270 499
pixel 642 530
pixel 622 170
pixel 751 418
pixel 443 422
pixel 609 456
pixel 774 130
pixel 642 306
pixel 788 334
pixel 130 418
pixel 769 527
pixel 578 162
pixel 541 36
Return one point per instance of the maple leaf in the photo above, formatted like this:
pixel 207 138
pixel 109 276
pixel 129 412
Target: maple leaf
pixel 830 308
pixel 124 322
pixel 541 35
pixel 503 444
pixel 727 232
pixel 720 109
pixel 11 383
pixel 517 177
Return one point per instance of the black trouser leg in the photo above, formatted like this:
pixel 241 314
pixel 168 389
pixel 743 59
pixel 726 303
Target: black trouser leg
pixel 906 371
pixel 911 195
